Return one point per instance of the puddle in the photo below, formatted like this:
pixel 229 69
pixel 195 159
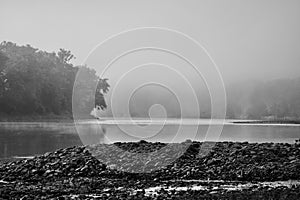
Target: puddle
pixel 215 185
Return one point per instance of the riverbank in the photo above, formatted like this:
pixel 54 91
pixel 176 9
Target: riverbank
pixel 249 169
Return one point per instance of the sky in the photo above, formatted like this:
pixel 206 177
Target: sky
pixel 257 39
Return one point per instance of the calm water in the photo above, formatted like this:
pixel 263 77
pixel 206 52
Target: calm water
pixel 27 139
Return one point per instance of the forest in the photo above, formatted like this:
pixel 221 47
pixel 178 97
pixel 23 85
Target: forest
pixel 268 99
pixel 38 83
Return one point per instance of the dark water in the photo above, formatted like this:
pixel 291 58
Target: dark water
pixel 27 139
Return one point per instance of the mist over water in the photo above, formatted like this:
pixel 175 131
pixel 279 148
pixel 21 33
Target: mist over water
pixel 278 98
pixel 255 44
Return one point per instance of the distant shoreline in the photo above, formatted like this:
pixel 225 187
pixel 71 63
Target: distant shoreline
pixel 68 118
pixel 267 122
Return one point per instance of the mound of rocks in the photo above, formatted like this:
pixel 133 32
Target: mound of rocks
pixel 223 160
pixel 117 169
pixel 247 162
pixel 69 162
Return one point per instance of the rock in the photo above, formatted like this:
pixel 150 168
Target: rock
pixel 76 170
pixel 292 158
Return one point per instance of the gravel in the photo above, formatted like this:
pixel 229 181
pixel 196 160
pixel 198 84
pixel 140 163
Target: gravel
pixel 128 170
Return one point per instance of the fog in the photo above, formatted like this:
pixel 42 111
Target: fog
pixel 249 39
pixel 254 44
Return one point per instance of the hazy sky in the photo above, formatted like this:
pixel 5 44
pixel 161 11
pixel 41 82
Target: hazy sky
pixel 247 39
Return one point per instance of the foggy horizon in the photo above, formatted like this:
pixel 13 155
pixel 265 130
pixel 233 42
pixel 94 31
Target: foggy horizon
pixel 255 46
pixel 248 41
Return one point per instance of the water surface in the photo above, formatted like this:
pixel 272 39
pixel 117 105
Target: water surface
pixel 31 138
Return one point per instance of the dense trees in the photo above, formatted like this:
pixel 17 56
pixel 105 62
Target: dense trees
pixel 274 99
pixel 34 82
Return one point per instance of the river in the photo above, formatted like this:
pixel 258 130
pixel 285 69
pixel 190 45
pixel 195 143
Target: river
pixel 22 139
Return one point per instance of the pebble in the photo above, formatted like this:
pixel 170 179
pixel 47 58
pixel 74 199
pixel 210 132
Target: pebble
pixel 90 169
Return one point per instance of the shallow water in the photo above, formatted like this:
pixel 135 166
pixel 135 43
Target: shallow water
pixel 30 138
pixel 216 186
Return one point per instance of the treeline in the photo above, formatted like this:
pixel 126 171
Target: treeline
pixel 35 82
pixel 276 99
pixel 268 100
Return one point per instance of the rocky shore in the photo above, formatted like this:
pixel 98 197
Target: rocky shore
pixel 222 170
